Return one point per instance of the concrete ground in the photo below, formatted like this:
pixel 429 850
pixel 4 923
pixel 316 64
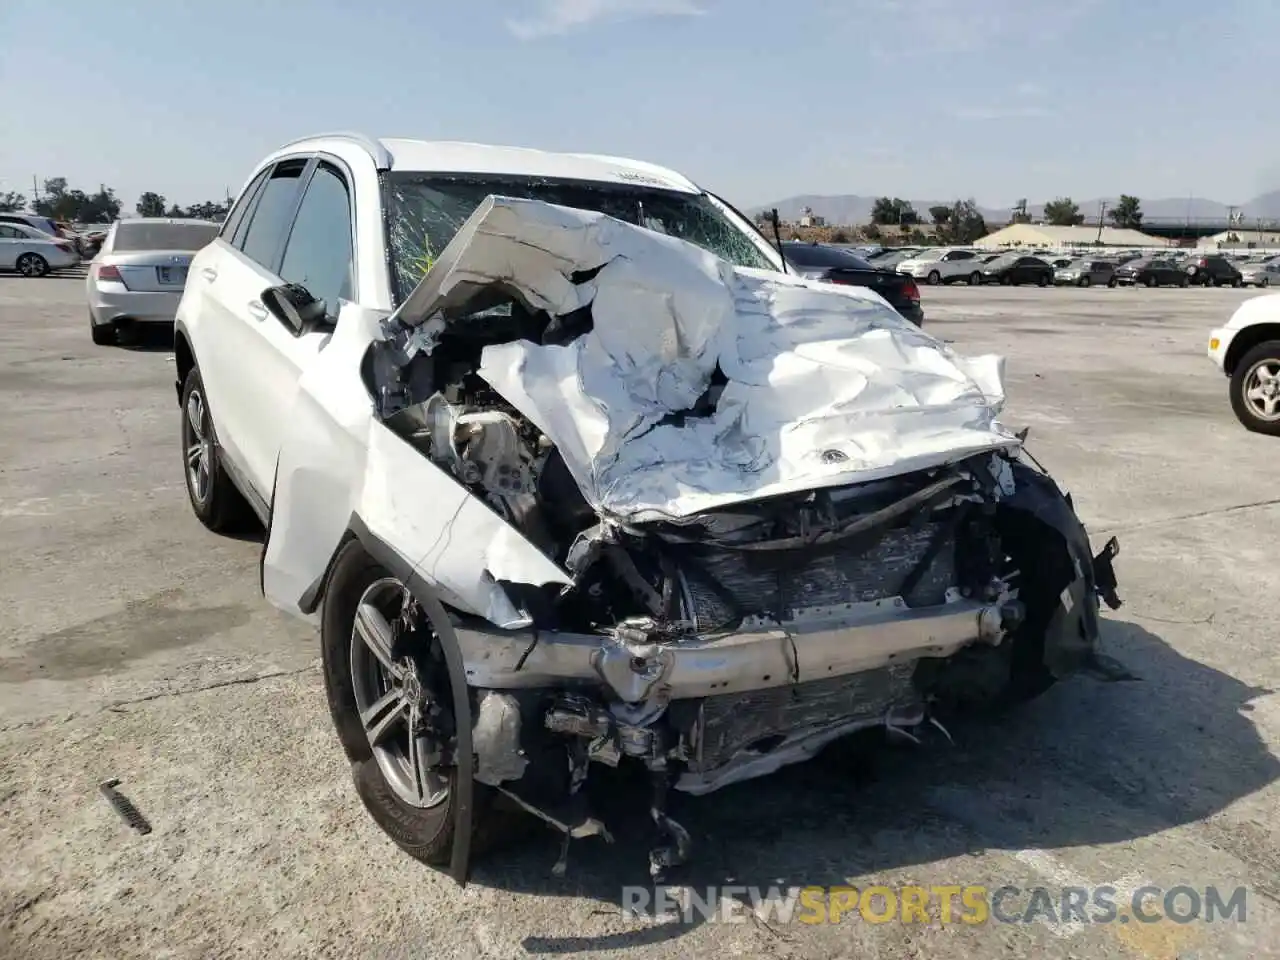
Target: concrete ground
pixel 136 645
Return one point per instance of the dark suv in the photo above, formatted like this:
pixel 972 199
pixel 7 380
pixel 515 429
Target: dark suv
pixel 1214 271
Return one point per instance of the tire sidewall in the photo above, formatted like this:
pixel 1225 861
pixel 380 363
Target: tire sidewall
pixel 426 834
pixel 1263 351
pixel 203 508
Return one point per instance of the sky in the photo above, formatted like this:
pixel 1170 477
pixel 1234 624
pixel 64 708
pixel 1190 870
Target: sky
pixel 757 100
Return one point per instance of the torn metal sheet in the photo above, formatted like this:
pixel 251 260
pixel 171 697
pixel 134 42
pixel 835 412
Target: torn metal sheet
pixel 822 385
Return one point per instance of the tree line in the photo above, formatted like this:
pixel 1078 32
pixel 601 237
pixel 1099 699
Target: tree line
pixel 61 202
pixel 961 222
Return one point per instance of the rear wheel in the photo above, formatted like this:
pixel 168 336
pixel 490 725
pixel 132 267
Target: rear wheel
pixel 1086 281
pixel 1237 282
pixel 975 278
pixel 214 498
pixel 1264 282
pixel 1152 282
pixel 1043 281
pixel 1113 282
pixel 103 334
pixel 1255 389
pixel 934 277
pixel 32 265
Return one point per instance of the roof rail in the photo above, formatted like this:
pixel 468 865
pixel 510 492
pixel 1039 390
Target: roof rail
pixel 380 154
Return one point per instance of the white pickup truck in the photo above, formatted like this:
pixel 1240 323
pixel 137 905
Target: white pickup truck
pixel 1247 349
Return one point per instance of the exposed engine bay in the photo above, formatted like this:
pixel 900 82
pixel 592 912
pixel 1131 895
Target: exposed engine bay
pixel 700 518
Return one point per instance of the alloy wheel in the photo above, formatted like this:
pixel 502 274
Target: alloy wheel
pixel 395 702
pixel 1262 389
pixel 198 444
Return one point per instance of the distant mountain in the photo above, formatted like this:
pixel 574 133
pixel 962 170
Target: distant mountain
pixel 854 208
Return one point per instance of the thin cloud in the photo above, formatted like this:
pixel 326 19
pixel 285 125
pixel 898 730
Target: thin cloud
pixel 556 17
pixel 993 112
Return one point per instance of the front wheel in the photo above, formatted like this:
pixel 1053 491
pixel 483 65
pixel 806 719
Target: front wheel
pixel 1264 282
pixel 1152 282
pixel 388 691
pixel 933 278
pixel 1237 282
pixel 975 278
pixel 32 265
pixel 1255 389
pixel 1113 282
pixel 214 498
pixel 1086 281
pixel 1042 282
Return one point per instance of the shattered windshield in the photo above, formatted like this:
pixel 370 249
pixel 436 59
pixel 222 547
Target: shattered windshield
pixel 425 210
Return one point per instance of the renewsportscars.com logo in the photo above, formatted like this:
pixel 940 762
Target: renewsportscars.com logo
pixel 967 904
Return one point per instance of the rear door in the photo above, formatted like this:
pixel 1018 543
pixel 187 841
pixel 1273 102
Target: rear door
pixel 10 246
pixel 233 347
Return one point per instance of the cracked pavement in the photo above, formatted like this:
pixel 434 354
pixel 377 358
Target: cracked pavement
pixel 137 645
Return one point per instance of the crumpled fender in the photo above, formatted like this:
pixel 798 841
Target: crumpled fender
pixel 1071 641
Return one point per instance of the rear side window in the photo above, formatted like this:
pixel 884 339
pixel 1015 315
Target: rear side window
pixel 163 236
pixel 318 252
pixel 8 233
pixel 272 214
pixel 236 217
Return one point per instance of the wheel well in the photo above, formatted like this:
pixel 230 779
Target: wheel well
pixel 184 360
pixel 1246 340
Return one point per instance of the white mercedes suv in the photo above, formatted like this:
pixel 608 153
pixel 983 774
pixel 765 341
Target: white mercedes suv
pixel 570 473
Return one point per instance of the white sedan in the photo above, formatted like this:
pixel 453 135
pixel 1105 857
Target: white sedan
pixel 1247 349
pixel 32 253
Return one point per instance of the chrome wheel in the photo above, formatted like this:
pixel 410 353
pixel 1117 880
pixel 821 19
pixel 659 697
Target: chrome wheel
pixel 394 702
pixel 198 443
pixel 1262 389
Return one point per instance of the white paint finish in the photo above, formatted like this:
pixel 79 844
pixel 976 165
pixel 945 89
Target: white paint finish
pixel 827 385
pixel 1255 311
pixel 336 460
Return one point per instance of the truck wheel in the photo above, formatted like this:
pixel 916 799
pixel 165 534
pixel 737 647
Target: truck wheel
pixel 1255 389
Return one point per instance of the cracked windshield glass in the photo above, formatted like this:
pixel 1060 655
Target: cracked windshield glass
pixel 425 211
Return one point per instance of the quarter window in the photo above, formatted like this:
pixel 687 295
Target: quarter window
pixel 318 252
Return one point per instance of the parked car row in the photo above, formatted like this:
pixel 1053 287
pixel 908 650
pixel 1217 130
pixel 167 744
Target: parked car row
pixel 29 247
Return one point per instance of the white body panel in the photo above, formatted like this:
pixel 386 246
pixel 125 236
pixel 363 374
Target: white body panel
pixel 1264 309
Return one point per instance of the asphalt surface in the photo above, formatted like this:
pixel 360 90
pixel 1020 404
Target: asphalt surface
pixel 136 645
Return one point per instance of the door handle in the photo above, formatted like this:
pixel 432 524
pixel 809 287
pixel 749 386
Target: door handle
pixel 257 310
pixel 209 274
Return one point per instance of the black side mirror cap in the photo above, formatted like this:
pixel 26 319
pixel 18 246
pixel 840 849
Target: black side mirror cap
pixel 294 306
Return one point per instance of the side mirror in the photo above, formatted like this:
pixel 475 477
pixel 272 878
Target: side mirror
pixel 294 306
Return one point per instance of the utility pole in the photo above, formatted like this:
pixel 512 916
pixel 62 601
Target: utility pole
pixel 1102 210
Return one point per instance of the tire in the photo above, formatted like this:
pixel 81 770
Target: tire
pixel 1042 282
pixel 933 278
pixel 425 832
pixel 975 279
pixel 215 500
pixel 1113 283
pixel 1152 282
pixel 32 265
pixel 1086 282
pixel 1264 282
pixel 1237 283
pixel 1185 281
pixel 1266 355
pixel 1006 280
pixel 104 334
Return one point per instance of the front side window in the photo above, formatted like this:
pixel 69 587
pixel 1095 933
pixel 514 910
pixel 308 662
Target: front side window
pixel 318 252
pixel 424 211
pixel 271 214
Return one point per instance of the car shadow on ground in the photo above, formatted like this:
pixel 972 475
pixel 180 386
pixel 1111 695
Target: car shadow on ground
pixel 1088 763
pixel 146 338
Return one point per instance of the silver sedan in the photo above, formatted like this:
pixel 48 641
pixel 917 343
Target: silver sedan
pixel 139 274
pixel 32 253
pixel 1260 273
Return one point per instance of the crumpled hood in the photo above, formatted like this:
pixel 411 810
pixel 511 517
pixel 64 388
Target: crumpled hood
pixel 822 385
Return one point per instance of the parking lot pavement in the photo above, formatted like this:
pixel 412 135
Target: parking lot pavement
pixel 136 645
